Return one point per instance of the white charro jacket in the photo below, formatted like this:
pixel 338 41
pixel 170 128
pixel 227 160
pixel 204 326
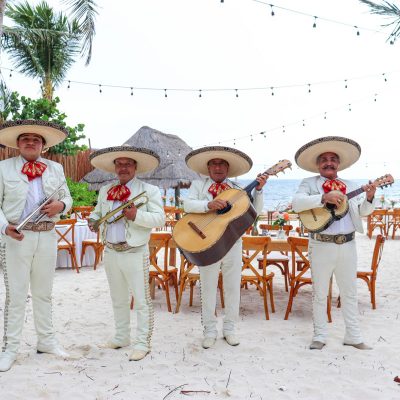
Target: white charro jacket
pixel 14 188
pixel 150 215
pixel 199 196
pixel 309 195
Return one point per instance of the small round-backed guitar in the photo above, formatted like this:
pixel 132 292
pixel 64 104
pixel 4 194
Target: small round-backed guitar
pixel 318 219
pixel 205 238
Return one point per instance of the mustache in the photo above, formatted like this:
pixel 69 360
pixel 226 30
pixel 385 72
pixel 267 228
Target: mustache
pixel 329 167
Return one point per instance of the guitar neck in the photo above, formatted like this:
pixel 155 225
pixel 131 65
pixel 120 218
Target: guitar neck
pixel 354 193
pixel 249 188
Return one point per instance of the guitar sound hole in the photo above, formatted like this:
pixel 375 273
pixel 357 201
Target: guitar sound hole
pixel 225 210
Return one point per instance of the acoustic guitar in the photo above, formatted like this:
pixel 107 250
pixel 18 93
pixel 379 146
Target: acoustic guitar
pixel 205 238
pixel 318 219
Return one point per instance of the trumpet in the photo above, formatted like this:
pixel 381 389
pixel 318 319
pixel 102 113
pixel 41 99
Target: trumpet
pixel 96 224
pixel 38 218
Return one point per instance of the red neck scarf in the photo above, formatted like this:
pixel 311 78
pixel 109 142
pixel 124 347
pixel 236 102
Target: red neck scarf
pixel 33 169
pixel 216 188
pixel 118 192
pixel 334 184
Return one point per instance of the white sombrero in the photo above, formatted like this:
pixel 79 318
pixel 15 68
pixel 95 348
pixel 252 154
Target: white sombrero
pixel 348 151
pixel 104 159
pixel 52 133
pixel 239 162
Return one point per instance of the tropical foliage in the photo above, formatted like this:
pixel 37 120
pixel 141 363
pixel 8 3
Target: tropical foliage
pixel 81 194
pixel 14 107
pixel 390 11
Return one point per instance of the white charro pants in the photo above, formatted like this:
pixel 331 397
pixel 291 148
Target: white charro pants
pixel 340 260
pixel 128 272
pixel 231 267
pixel 31 261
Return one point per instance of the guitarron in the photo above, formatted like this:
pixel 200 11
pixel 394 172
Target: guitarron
pixel 318 219
pixel 206 238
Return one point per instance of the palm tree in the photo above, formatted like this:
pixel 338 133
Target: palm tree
pixel 47 56
pixel 388 10
pixel 85 11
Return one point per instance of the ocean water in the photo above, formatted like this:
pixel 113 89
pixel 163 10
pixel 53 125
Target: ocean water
pixel 278 193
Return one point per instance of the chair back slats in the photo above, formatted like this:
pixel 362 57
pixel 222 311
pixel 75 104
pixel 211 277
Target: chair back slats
pixel 159 241
pixel 82 212
pixel 63 234
pixel 270 227
pixel 377 255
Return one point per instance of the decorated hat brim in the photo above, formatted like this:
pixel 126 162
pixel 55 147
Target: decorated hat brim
pixel 146 159
pixel 348 151
pixel 52 133
pixel 239 162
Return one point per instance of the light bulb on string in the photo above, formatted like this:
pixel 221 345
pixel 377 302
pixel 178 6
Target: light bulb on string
pixel 237 94
pixel 325 115
pixel 199 92
pixel 165 93
pixel 283 129
pixel 11 71
pixel 309 87
pixel 234 142
pixel 100 89
pixel 349 107
pixel 315 22
pixel 375 96
pixel 272 10
pixel 345 83
pixel 69 85
pixel 131 91
pixel 358 31
pixel 384 77
pixel 272 91
pixel 263 133
pixel 304 123
pixel 251 138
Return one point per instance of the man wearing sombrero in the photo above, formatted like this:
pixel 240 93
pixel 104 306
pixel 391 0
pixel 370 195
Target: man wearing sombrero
pixel 29 256
pixel 126 256
pixel 219 163
pixel 326 156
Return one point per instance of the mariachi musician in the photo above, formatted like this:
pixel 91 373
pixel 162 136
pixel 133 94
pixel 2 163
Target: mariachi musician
pixel 30 252
pixel 333 251
pixel 126 257
pixel 219 163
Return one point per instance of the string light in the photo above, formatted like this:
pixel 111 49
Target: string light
pixel 131 91
pixel 304 123
pixel 11 71
pixel 375 96
pixel 358 31
pixel 283 129
pixel 345 83
pixel 271 88
pixel 315 22
pixel 325 115
pixel 349 107
pixel 100 89
pixel 272 10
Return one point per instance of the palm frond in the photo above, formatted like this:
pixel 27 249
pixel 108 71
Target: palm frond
pixel 388 10
pixel 85 11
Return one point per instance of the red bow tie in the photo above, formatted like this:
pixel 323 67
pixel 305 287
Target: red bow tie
pixel 216 188
pixel 334 184
pixel 118 192
pixel 33 169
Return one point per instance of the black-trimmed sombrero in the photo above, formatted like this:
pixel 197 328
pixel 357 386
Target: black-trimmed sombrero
pixel 52 133
pixel 146 159
pixel 348 151
pixel 239 162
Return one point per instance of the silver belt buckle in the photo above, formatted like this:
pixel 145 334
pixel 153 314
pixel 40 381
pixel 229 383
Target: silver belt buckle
pixel 339 239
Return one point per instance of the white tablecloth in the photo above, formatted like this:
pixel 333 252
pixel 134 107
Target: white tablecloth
pixel 82 232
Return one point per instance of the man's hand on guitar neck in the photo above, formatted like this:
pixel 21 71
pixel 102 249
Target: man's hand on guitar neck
pixel 334 197
pixel 217 204
pixel 370 191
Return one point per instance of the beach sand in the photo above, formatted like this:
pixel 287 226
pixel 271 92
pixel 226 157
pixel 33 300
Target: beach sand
pixel 272 361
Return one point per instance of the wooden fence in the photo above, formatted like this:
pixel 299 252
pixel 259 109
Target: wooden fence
pixel 75 167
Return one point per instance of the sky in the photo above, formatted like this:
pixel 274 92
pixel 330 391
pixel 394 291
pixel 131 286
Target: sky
pixel 206 44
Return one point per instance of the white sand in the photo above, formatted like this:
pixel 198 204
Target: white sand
pixel 272 362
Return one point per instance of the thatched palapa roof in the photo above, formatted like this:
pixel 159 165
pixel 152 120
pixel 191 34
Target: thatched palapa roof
pixel 172 171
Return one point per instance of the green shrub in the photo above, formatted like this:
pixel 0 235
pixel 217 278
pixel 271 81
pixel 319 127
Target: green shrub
pixel 81 194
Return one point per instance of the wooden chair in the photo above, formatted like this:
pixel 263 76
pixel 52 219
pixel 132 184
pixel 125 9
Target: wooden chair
pixel 278 258
pixel 96 245
pixel 81 212
pixel 163 273
pixel 171 215
pixel 377 219
pixel 300 274
pixel 252 247
pixel 189 275
pixel 394 222
pixel 66 240
pixel 369 276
